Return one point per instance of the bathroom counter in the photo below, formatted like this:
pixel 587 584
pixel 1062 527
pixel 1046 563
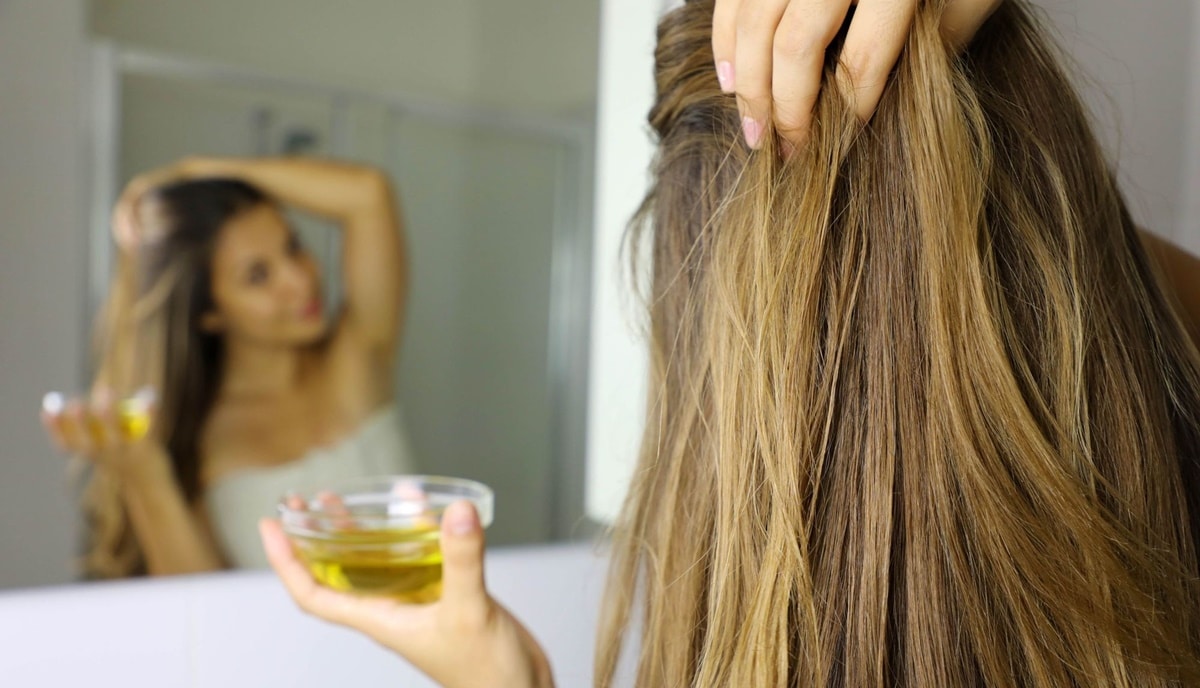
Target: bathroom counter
pixel 240 629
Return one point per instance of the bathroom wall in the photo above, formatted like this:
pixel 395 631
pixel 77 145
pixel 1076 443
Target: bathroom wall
pixel 42 269
pixel 1137 67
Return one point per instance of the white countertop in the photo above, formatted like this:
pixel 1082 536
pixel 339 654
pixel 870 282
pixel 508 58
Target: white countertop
pixel 241 629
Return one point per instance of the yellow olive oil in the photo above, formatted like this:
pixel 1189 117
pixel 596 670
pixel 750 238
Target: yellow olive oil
pixel 134 419
pixel 404 564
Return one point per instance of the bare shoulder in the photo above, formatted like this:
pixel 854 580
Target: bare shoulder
pixel 1167 250
pixel 1182 272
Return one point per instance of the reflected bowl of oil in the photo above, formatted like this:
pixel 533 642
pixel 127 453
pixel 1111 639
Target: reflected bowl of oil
pixel 379 536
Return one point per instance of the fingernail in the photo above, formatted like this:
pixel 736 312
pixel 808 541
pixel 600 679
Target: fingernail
pixel 102 401
pixel 53 403
pixel 145 396
pixel 460 518
pixel 753 131
pixel 725 75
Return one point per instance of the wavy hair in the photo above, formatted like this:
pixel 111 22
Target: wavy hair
pixel 921 411
pixel 150 335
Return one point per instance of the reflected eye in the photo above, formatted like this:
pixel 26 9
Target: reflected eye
pixel 258 273
pixel 294 247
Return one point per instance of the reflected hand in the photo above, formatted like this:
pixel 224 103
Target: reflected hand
pixel 772 53
pixel 94 428
pixel 127 225
pixel 464 640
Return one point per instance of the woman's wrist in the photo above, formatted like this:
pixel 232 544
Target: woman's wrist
pixel 147 472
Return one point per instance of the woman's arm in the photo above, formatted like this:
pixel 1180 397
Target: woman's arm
pixel 171 535
pixel 360 199
pixel 1182 271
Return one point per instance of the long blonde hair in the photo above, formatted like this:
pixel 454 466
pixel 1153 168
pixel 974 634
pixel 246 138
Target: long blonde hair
pixel 149 334
pixel 921 413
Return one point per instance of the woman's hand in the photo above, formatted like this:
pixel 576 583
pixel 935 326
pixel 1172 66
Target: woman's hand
pixel 128 225
pixel 772 53
pixel 94 428
pixel 464 640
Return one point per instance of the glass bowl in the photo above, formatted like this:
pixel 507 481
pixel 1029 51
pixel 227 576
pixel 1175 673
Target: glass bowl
pixel 381 535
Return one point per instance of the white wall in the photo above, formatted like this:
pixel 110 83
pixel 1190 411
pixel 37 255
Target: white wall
pixel 1141 76
pixel 42 268
pixel 1136 69
pixel 1190 226
pixel 619 360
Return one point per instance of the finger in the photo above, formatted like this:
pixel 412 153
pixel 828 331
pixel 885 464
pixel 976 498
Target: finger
pixel 463 587
pixel 410 501
pixel 102 420
pixel 124 231
pixel 335 509
pixel 53 405
pixel 309 595
pixel 877 36
pixel 50 422
pixel 757 21
pixel 963 19
pixel 724 41
pixel 297 513
pixel 800 42
pixel 76 431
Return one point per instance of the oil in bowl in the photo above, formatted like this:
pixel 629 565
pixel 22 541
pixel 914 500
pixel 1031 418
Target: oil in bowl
pixel 379 536
pixel 133 414
pixel 403 563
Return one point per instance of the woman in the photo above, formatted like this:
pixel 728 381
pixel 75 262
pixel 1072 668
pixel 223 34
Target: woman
pixel 217 306
pixel 922 412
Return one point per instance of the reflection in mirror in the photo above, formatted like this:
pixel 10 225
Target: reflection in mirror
pixel 346 241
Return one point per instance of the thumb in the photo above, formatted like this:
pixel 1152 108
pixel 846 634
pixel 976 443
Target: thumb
pixel 462 557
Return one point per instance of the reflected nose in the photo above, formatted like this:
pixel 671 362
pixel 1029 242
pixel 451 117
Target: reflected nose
pixel 298 280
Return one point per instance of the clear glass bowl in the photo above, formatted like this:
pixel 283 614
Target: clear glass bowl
pixel 379 536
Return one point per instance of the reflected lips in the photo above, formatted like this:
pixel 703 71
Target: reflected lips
pixel 313 309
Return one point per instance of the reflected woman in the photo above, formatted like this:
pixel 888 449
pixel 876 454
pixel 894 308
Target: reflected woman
pixel 217 306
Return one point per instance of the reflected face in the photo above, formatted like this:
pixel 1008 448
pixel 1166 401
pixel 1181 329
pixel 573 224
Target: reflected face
pixel 266 286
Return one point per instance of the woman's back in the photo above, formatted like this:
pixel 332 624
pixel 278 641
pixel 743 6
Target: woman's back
pixel 921 414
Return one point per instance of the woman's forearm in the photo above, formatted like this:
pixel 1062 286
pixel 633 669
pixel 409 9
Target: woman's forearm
pixel 336 190
pixel 171 537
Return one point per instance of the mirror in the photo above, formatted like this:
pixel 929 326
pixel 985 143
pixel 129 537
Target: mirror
pixel 488 144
